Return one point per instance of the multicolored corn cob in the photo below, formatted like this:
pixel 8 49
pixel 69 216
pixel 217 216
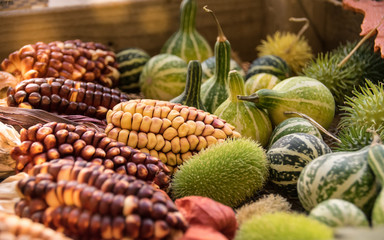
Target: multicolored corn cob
pixel 84 199
pixel 169 131
pixel 72 59
pixel 65 96
pixel 13 227
pixel 43 143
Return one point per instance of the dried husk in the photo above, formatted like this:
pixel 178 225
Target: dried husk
pixel 9 138
pixel 8 194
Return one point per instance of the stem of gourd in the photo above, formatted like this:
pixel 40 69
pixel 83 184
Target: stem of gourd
pixel 251 98
pixel 300 33
pixel 221 37
pixel 375 137
pixel 370 34
pixel 314 123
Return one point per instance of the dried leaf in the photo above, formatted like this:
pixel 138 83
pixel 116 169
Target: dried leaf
pixel 200 232
pixel 209 213
pixel 24 118
pixel 9 138
pixel 373 15
pixel 8 194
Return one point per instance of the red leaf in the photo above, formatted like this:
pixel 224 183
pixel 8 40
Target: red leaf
pixel 374 13
pixel 209 213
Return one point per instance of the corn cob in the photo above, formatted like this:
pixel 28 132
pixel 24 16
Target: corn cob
pixel 65 96
pixel 169 131
pixel 42 143
pixel 72 59
pixel 13 227
pixel 85 200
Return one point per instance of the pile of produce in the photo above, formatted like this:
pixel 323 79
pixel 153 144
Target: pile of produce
pixel 187 144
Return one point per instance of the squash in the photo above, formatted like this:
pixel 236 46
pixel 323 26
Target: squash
pixel 131 62
pixel 248 120
pixel 342 175
pixel 187 43
pixel 289 155
pixel 209 66
pixel 269 64
pixel 163 77
pixel 298 94
pixel 376 163
pixel 293 125
pixel 260 81
pixel 191 94
pixel 214 91
pixel 339 213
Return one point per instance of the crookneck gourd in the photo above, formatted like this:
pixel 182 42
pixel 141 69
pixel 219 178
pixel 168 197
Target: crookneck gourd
pixel 215 90
pixel 245 116
pixel 187 42
pixel 191 94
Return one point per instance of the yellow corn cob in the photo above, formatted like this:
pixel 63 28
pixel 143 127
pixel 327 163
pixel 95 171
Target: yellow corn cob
pixel 172 132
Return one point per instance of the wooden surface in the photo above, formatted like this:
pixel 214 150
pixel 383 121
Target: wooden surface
pixel 149 23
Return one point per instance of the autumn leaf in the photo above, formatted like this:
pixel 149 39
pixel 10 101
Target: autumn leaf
pixel 373 18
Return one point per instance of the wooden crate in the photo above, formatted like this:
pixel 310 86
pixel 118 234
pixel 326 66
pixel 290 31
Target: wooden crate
pixel 148 23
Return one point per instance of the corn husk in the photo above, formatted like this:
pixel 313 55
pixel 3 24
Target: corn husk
pixel 8 194
pixel 9 138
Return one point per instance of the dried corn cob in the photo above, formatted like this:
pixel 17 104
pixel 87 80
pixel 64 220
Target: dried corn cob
pixel 169 131
pixel 14 227
pixel 83 200
pixel 65 96
pixel 42 143
pixel 72 59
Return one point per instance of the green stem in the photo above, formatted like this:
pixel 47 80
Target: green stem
pixel 188 15
pixel 236 85
pixel 250 98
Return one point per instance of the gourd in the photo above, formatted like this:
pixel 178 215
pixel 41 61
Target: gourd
pixel 342 175
pixel 131 62
pixel 209 66
pixel 299 94
pixel 260 81
pixel 214 90
pixel 244 116
pixel 339 213
pixel 376 163
pixel 293 125
pixel 191 94
pixel 289 155
pixel 269 64
pixel 187 42
pixel 163 77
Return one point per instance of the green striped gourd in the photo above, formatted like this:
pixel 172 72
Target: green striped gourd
pixel 131 62
pixel 214 91
pixel 187 42
pixel 260 81
pixel 163 77
pixel 339 213
pixel 376 163
pixel 209 66
pixel 342 175
pixel 269 64
pixel 293 125
pixel 191 94
pixel 248 120
pixel 298 94
pixel 289 155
